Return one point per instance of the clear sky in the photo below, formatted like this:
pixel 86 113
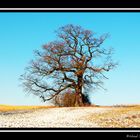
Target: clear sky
pixel 22 33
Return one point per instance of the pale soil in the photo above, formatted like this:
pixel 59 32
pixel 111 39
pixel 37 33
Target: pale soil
pixel 91 117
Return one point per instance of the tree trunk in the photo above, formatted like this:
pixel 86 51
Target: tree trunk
pixel 79 95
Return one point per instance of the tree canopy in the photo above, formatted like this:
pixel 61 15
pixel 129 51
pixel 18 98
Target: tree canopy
pixel 74 63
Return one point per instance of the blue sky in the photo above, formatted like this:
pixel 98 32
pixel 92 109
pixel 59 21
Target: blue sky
pixel 22 33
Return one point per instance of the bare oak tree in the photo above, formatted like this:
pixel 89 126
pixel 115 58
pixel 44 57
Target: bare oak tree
pixel 74 63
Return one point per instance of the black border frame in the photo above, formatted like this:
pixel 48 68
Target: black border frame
pixel 70 3
pixel 122 130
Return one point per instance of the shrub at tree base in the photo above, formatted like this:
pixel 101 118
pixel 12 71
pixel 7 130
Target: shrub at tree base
pixel 69 100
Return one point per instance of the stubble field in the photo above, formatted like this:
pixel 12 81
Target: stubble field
pixel 70 117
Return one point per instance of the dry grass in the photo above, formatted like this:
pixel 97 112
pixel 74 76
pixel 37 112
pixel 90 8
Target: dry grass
pixel 5 108
pixel 118 117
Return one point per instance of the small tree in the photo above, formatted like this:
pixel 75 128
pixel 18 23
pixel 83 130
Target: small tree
pixel 72 63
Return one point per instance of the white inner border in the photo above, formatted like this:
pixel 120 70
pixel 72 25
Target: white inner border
pixel 77 9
